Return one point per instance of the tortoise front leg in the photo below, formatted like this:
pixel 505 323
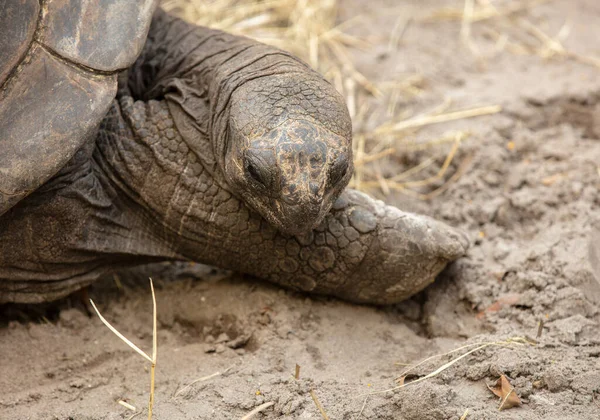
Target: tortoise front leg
pixel 364 251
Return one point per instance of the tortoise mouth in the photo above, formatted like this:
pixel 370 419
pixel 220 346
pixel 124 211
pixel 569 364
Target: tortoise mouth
pixel 298 219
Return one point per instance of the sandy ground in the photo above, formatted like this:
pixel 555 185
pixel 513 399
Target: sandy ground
pixel 532 214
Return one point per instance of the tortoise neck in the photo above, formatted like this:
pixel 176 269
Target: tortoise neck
pixel 198 70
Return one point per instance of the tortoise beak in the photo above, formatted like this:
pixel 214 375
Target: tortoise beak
pixel 299 217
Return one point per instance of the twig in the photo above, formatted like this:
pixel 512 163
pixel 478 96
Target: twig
pixel 258 410
pixel 318 404
pixel 376 156
pixel 398 32
pixel 487 13
pixel 363 406
pixel 118 334
pixel 540 329
pixel 459 172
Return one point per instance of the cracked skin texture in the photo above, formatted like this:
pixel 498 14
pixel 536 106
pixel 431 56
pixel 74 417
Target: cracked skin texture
pixel 155 185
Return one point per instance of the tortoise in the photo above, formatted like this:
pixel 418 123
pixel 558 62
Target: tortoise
pixel 129 136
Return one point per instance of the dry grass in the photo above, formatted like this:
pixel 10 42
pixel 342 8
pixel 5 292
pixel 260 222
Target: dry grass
pixel 311 30
pixel 465 351
pixel 135 348
pixel 508 25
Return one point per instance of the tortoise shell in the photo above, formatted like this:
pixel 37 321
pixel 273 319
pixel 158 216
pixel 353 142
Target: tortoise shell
pixel 59 61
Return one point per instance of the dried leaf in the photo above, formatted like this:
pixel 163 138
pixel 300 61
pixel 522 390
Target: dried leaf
pixel 508 397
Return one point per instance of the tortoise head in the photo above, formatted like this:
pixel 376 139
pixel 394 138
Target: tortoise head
pixel 289 152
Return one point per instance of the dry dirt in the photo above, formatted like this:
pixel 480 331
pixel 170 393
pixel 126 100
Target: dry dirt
pixel 532 214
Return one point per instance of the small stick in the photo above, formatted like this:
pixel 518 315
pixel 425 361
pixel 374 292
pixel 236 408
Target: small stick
pixel 442 170
pixel 121 336
pixel 464 416
pixel 297 375
pixel 350 89
pixel 371 158
pixel 258 410
pixel 412 171
pixel 398 32
pixel 126 405
pixel 540 329
pixel 318 404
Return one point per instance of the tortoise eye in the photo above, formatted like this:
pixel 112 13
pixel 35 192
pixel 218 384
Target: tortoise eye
pixel 258 170
pixel 254 173
pixel 338 170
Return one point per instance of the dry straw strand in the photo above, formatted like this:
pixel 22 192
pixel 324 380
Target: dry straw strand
pixel 127 405
pixel 440 118
pixel 503 16
pixel 513 341
pixel 257 410
pixel 202 379
pixel 152 359
pixel 318 404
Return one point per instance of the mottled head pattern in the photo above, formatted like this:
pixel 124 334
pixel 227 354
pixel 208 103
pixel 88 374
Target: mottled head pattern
pixel 289 148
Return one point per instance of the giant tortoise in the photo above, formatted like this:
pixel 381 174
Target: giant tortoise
pixel 128 136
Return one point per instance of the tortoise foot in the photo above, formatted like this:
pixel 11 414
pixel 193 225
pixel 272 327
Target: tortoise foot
pixel 386 255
